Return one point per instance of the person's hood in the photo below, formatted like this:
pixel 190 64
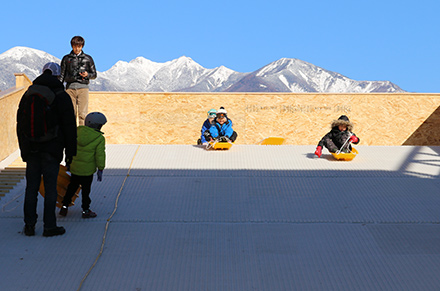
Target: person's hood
pixel 87 135
pixel 343 120
pixel 47 79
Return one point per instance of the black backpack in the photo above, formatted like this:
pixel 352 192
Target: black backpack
pixel 37 118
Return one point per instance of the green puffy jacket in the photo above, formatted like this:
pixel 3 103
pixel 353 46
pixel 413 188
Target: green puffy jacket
pixel 90 152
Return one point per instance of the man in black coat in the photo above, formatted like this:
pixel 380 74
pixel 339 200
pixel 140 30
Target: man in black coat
pixel 43 157
pixel 77 69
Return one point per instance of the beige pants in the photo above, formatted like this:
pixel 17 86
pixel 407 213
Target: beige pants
pixel 80 100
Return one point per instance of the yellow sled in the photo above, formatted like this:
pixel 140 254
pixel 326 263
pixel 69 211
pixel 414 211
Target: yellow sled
pixel 272 140
pixel 346 156
pixel 62 183
pixel 219 145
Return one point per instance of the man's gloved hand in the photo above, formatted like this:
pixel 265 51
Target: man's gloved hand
pixel 99 173
pixel 318 151
pixel 354 139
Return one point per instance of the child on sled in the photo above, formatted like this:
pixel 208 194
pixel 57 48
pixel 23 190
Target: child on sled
pixel 206 126
pixel 335 139
pixel 222 127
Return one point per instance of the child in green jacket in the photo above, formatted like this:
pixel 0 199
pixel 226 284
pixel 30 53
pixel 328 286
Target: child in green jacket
pixel 90 156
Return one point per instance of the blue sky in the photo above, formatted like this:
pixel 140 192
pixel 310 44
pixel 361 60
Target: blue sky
pixel 398 41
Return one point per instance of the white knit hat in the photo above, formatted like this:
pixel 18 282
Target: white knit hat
pixel 222 111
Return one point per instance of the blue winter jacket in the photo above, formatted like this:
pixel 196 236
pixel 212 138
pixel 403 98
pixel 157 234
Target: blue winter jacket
pixel 206 126
pixel 217 130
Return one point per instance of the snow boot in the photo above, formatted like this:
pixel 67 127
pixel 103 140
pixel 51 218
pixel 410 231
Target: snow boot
pixel 64 210
pixel 59 230
pixel 29 230
pixel 88 214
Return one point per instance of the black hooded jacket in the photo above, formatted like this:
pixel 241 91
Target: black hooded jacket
pixel 66 138
pixel 335 139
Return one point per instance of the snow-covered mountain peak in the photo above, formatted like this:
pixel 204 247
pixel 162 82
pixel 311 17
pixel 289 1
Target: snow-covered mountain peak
pixel 224 69
pixel 20 53
pixel 184 74
pixel 221 72
pixel 183 62
pixel 272 67
pixel 292 65
pixel 144 62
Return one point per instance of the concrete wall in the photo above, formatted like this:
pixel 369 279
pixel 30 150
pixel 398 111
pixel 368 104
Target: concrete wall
pixel 176 118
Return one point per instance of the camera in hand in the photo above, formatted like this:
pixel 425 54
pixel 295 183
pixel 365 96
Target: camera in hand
pixel 79 70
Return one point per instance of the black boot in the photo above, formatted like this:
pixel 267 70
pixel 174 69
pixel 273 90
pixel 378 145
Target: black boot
pixel 29 230
pixel 59 230
pixel 64 210
pixel 88 214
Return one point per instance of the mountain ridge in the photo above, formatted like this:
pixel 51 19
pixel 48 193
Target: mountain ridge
pixel 185 75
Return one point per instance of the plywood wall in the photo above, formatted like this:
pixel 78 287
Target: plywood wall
pixel 9 100
pixel 176 118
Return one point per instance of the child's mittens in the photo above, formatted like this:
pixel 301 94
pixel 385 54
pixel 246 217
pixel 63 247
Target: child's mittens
pixel 354 139
pixel 318 151
pixel 99 173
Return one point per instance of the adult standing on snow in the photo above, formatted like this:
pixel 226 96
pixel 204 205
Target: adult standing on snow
pixel 45 128
pixel 77 69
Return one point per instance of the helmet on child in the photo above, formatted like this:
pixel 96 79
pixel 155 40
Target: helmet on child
pixel 212 113
pixel 95 120
pixel 53 67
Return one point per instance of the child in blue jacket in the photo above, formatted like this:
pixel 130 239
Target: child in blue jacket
pixel 206 126
pixel 222 127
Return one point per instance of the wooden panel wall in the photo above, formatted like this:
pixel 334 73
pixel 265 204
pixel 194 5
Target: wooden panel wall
pixel 176 118
pixel 9 100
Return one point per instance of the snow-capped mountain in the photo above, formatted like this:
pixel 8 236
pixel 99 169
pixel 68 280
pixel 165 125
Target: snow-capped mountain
pixel 123 76
pixel 185 75
pixel 293 75
pixel 22 60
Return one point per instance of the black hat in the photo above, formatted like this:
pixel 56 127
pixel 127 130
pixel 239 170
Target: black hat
pixel 344 117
